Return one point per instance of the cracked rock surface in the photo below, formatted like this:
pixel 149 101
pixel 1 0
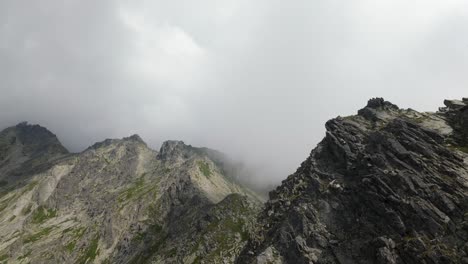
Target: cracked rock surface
pixel 387 185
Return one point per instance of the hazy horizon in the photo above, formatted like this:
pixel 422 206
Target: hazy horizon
pixel 255 80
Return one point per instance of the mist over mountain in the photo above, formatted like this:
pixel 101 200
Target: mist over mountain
pixel 229 74
pixel 388 185
pixel 233 131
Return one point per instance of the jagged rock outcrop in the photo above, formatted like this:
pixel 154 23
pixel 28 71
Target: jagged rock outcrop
pixel 457 113
pixel 119 202
pixel 385 186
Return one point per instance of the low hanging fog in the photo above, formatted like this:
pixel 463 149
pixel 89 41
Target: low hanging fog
pixel 254 79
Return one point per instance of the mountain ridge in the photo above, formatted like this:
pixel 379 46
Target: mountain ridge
pixel 120 201
pixel 387 185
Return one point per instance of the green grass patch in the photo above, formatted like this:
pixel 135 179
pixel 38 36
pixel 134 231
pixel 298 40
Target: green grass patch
pixel 228 225
pixel 5 191
pixel 38 235
pixel 137 190
pixel 3 206
pixel 139 237
pixel 5 203
pixel 76 233
pixel 42 214
pixel 223 232
pixel 90 253
pixel 204 168
pixel 26 210
pixel 132 191
pixel 70 246
pixel 29 187
pixel 4 257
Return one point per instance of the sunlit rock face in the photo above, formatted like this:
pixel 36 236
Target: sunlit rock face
pixel 388 185
pixel 118 202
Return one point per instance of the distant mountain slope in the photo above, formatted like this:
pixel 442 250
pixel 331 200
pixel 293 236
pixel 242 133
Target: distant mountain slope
pixel 26 148
pixel 385 186
pixel 120 202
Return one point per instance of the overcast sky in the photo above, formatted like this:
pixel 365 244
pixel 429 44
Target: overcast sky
pixel 254 79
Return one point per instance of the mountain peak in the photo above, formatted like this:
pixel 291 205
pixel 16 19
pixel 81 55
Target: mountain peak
pixel 173 144
pixel 378 109
pixel 380 103
pixel 35 134
pixel 133 139
pixel 171 149
pixel 35 139
pixel 27 148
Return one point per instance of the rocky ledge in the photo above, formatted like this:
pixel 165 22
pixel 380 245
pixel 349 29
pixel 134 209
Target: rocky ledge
pixel 388 185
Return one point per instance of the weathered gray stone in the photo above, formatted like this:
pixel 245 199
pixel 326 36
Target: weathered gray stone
pixel 385 256
pixel 454 104
pixel 404 192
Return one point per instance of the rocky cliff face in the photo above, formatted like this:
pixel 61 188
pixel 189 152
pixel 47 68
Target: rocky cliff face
pixel 385 186
pixel 118 202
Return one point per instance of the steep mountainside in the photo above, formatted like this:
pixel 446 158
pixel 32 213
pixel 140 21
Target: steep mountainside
pixel 25 149
pixel 385 186
pixel 118 202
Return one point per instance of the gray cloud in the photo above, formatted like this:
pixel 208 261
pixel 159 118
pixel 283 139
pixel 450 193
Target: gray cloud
pixel 255 79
